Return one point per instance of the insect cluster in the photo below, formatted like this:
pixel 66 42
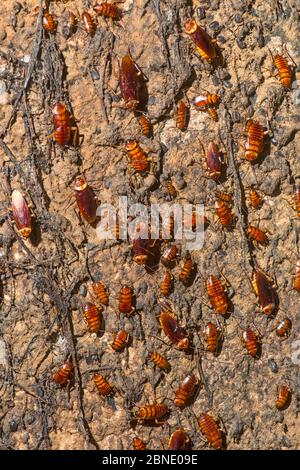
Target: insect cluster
pixel 166 266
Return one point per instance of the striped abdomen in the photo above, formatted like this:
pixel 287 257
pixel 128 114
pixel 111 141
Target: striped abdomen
pixel 217 295
pixel 285 74
pixel 254 141
pixel 210 430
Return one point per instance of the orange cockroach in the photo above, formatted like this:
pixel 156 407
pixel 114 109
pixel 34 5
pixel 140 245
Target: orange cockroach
pixel 210 430
pixel 296 281
pixel 141 250
pixel 256 200
pixel 283 328
pixel 120 341
pixel 206 101
pixel 263 287
pixel 284 70
pixel 250 341
pixel 203 42
pixel 126 300
pixel 224 197
pixel 166 284
pixel 130 83
pixel 211 336
pixel 224 214
pixel 186 272
pixel 173 330
pixel 145 125
pixel 103 387
pixel 158 360
pixel 88 23
pixel 62 375
pixel 185 391
pixel 48 22
pixel 92 317
pixel 71 25
pixel 62 127
pixel 217 294
pixel 21 214
pixel 138 444
pixel 99 290
pixel 151 412
pixel 85 199
pixel 254 141
pixel 214 161
pixel 108 10
pixel 257 235
pixel 167 229
pixel 283 397
pixel 178 440
pixel 169 255
pixel 137 157
pixel 171 190
pixel 182 115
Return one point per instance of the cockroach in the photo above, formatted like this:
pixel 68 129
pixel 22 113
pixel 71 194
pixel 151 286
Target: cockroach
pixel 167 229
pixel 166 284
pixel 224 214
pixel 182 115
pixel 171 190
pixel 21 214
pixel 297 199
pixel 211 336
pixel 138 444
pixel 283 396
pixel 255 199
pixel 263 288
pixel 213 114
pixel 130 83
pixel 88 23
pixel 169 255
pixel 137 157
pixel 213 161
pixel 284 70
pixel 108 10
pixel 224 197
pixel 62 129
pixel 185 391
pixel 158 360
pixel 145 125
pixel 210 430
pixel 140 248
pixel 92 317
pixel 206 101
pixel 217 294
pixel 62 375
pixel 250 342
pixel 254 141
pixel 203 42
pixel 187 270
pixel 296 281
pixel 103 387
pixel 71 24
pixel 86 200
pixel 178 440
pixel 173 330
pixel 151 412
pixel 190 221
pixel 48 22
pixel 283 328
pixel 126 300
pixel 257 235
pixel 100 292
pixel 120 340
